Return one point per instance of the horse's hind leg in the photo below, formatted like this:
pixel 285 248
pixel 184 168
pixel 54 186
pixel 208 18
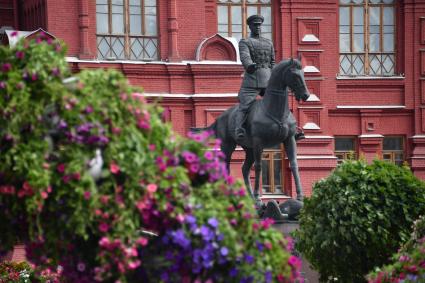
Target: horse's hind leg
pixel 246 167
pixel 291 152
pixel 257 153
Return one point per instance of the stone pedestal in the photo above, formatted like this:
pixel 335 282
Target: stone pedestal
pixel 286 227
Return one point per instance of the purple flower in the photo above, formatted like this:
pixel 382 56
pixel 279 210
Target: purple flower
pixel 189 157
pixel 249 258
pixel 34 76
pixel 81 267
pixel 213 222
pixel 207 233
pixel 190 219
pixel 88 109
pixel 260 246
pixel 62 124
pixel 233 272
pixel 56 71
pixel 224 251
pixel 2 85
pixel 84 128
pixel 268 277
pixel 248 279
pixel 209 155
pixel 180 239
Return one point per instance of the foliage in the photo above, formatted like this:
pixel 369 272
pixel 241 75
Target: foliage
pixel 357 218
pixel 408 265
pixel 93 181
pixel 22 272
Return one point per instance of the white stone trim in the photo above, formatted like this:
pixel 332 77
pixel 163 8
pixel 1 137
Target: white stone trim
pixel 71 59
pixel 311 126
pixel 340 77
pixel 371 136
pixel 196 95
pixel 370 106
pixel 310 69
pixel 310 38
pixel 418 137
pixel 319 137
pixel 316 157
pixel 313 98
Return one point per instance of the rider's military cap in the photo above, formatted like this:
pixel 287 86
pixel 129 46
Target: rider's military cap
pixel 255 19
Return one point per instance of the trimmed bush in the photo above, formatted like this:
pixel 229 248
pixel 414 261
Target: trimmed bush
pixel 408 265
pixel 358 217
pixel 99 188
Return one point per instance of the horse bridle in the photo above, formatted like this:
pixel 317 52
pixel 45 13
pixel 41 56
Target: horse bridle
pixel 298 85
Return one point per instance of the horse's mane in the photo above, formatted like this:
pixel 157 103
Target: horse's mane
pixel 289 63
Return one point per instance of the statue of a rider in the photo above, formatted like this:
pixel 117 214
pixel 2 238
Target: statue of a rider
pixel 258 58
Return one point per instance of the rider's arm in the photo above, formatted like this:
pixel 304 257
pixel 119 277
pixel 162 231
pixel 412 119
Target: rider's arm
pixel 245 54
pixel 272 57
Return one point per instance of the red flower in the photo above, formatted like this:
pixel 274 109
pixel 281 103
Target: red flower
pixel 103 227
pixel 114 168
pixel 60 168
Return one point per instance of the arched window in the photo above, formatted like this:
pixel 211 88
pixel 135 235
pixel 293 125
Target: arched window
pixel 367 37
pixel 232 15
pixel 127 29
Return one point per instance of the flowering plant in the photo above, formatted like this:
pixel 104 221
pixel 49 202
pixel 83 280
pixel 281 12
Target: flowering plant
pixel 99 188
pixel 409 263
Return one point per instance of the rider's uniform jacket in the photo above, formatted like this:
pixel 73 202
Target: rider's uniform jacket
pixel 257 50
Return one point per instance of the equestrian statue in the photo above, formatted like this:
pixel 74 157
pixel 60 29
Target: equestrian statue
pixel 257 124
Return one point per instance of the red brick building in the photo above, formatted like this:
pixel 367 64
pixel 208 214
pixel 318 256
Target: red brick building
pixel 364 61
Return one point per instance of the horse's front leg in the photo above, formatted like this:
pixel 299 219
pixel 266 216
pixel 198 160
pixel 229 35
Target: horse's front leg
pixel 246 168
pixel 291 152
pixel 258 152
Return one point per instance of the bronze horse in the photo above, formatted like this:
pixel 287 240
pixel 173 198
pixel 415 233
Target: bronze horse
pixel 269 123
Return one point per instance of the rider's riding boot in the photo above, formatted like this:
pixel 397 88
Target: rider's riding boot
pixel 299 135
pixel 239 130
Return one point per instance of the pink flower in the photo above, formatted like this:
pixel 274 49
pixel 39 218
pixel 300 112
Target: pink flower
pixel 20 54
pixel 76 176
pixel 268 245
pixel 104 199
pixel 87 195
pixel 14 33
pixel 138 96
pixel 6 67
pixel 266 223
pixel 114 168
pixel 61 168
pixel 151 188
pixel 104 241
pixel 294 261
pixel 152 147
pixel 116 130
pixel 103 227
pixel 242 192
pixel 142 241
pixel 44 194
pixel 134 264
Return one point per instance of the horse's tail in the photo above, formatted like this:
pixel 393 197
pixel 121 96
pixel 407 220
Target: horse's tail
pixel 211 128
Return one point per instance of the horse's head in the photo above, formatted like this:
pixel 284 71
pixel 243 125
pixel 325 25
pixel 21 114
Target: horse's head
pixel 294 79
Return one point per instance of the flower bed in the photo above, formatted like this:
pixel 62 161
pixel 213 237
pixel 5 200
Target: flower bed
pixel 94 182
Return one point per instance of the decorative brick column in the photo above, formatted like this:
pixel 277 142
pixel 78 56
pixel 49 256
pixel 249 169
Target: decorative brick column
pixel 83 24
pixel 173 29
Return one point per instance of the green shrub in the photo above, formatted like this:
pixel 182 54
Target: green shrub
pixel 358 217
pixel 161 208
pixel 408 265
